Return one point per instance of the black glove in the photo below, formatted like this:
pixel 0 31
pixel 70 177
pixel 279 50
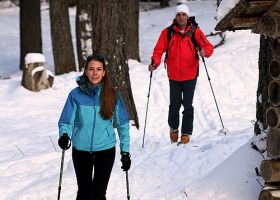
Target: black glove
pixel 64 142
pixel 126 162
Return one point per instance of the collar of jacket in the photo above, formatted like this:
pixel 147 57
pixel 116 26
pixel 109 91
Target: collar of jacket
pixel 86 86
pixel 187 29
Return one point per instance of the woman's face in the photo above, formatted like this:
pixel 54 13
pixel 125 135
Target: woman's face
pixel 95 72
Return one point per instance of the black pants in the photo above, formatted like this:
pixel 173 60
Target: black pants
pixel 93 187
pixel 181 92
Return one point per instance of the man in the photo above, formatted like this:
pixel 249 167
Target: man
pixel 182 62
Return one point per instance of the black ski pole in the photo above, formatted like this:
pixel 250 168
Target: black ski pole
pixel 61 172
pixel 127 185
pixel 223 130
pixel 151 75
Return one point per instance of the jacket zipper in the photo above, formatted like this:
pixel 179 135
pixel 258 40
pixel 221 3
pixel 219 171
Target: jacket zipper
pixel 94 109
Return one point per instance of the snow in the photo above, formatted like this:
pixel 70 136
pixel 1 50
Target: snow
pixel 211 167
pixel 34 57
pixel 37 69
pixel 224 8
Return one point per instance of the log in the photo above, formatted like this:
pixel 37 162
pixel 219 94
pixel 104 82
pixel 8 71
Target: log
pixel 225 23
pixel 269 24
pixel 258 7
pixel 269 195
pixel 274 69
pixel 244 22
pixel 273 117
pixel 273 143
pixel 270 170
pixel 35 75
pixel 276 48
pixel 274 92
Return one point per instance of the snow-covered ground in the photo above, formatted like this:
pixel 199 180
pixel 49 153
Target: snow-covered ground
pixel 210 167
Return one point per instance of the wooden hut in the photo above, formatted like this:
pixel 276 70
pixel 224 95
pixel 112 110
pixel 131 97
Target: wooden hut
pixel 263 17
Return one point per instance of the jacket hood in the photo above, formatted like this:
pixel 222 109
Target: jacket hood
pixel 86 86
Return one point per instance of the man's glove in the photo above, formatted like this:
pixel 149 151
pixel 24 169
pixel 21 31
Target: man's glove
pixel 64 142
pixel 152 66
pixel 126 162
pixel 202 53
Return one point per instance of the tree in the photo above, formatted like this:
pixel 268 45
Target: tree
pixel 218 2
pixel 164 3
pixel 132 29
pixel 265 57
pixel 84 30
pixel 110 22
pixel 30 34
pixel 62 46
pixel 30 29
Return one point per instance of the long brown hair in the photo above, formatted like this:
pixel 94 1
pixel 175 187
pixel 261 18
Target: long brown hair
pixel 108 92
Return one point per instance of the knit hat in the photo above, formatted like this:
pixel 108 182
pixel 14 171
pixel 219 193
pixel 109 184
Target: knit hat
pixel 182 8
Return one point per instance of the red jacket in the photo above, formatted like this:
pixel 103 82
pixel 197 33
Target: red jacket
pixel 182 62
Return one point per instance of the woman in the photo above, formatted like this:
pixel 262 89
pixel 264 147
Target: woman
pixel 87 118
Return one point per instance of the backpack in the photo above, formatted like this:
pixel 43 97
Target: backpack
pixel 191 32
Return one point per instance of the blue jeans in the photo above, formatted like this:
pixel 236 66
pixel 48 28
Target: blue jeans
pixel 181 92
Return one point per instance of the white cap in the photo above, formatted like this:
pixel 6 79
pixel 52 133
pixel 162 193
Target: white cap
pixel 183 8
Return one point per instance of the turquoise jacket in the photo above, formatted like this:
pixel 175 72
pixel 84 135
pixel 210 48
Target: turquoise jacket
pixel 82 122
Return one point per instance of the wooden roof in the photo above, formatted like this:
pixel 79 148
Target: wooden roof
pixel 262 16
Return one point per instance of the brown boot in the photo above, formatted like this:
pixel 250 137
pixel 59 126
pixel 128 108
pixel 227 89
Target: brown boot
pixel 185 139
pixel 173 136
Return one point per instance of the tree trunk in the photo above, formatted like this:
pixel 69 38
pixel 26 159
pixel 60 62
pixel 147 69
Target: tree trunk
pixel 63 53
pixel 37 77
pixel 30 29
pixel 218 2
pixel 265 57
pixel 84 30
pixel 132 29
pixel 164 3
pixel 72 3
pixel 109 19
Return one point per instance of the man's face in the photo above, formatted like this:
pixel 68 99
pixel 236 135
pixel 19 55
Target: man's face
pixel 182 19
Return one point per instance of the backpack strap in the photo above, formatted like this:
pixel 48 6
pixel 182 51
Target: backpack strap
pixel 169 36
pixel 195 44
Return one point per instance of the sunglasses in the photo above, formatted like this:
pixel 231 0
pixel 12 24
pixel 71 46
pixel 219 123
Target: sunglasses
pixel 97 57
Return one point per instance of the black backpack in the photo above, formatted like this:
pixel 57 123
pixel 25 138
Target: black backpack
pixel 191 32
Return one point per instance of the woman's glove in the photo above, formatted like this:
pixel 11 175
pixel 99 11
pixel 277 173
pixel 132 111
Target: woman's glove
pixel 126 162
pixel 64 142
